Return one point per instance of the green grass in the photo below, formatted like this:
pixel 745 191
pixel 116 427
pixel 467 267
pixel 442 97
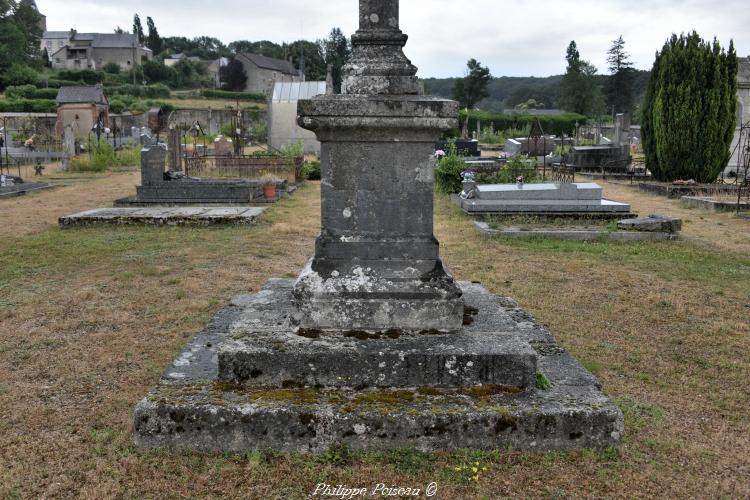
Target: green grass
pixel 42 257
pixel 667 259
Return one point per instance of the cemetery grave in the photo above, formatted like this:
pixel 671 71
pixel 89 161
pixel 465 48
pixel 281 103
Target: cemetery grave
pixel 375 346
pixel 650 339
pixel 651 228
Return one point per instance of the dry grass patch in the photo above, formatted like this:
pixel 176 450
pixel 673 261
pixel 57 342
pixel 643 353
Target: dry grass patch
pixel 90 317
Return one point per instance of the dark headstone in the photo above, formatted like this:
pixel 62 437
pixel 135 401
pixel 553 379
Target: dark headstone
pixel 152 165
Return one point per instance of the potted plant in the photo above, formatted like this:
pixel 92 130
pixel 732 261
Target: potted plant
pixel 269 186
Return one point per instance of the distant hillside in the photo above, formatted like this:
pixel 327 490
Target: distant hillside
pixel 506 92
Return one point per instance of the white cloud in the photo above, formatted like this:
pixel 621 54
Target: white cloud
pixel 518 38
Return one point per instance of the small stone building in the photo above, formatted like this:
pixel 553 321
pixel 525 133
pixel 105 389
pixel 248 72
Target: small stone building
pixel 282 115
pixel 264 72
pixel 743 109
pixel 75 51
pixel 81 108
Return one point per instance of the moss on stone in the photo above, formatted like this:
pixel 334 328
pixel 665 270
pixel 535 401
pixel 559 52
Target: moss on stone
pixel 488 390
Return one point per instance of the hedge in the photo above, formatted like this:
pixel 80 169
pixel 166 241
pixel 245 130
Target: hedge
pixel 226 94
pixel 55 83
pixel 551 124
pixel 147 91
pixel 29 92
pixel 27 106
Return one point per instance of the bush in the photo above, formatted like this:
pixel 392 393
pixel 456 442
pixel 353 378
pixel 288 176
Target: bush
pixel 236 96
pixel 55 83
pixel 112 68
pixel 29 92
pixel 117 105
pixel 448 171
pixel 27 106
pixel 87 76
pixel 311 170
pixel 155 71
pixel 508 174
pixel 103 156
pixel 148 91
pixel 689 111
pixel 19 91
pixel 18 74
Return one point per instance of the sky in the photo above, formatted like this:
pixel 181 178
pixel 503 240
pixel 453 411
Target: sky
pixel 519 38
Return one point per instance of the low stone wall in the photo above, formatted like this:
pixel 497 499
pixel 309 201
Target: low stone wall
pixel 207 191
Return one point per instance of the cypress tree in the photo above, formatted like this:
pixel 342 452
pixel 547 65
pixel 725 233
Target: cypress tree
pixel 689 109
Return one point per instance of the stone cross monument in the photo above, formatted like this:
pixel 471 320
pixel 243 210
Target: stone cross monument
pixel 376 263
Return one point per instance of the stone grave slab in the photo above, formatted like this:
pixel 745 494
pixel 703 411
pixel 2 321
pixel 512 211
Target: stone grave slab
pixel 183 216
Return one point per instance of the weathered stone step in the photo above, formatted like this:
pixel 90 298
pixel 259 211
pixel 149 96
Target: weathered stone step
pixel 215 416
pixel 388 359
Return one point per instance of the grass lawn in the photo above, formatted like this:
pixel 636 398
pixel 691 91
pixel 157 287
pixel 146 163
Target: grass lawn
pixel 90 317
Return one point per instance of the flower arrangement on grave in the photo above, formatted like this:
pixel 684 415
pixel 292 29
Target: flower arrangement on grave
pixel 468 175
pixel 439 154
pixel 519 180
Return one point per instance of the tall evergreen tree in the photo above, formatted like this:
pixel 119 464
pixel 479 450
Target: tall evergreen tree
pixel 620 83
pixel 579 90
pixel 472 88
pixel 337 52
pixel 233 76
pixel 138 28
pixel 688 115
pixel 153 40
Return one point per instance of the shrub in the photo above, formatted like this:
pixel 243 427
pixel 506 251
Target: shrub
pixel 87 76
pixel 448 171
pixel 259 131
pixel 29 92
pixel 27 106
pixel 117 105
pixel 112 68
pixel 155 71
pixel 19 91
pixel 311 170
pixel 689 111
pixel 148 91
pixel 55 83
pixel 103 156
pixel 19 74
pixel 236 96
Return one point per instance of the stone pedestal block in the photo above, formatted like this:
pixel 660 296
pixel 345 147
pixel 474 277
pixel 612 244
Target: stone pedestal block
pixel 376 263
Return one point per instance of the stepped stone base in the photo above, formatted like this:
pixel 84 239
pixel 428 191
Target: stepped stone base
pixel 208 399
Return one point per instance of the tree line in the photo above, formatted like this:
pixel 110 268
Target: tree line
pixel 580 90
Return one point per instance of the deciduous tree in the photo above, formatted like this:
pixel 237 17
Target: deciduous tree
pixel 472 88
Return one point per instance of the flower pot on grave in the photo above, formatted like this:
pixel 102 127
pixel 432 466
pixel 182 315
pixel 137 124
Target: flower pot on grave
pixel 269 191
